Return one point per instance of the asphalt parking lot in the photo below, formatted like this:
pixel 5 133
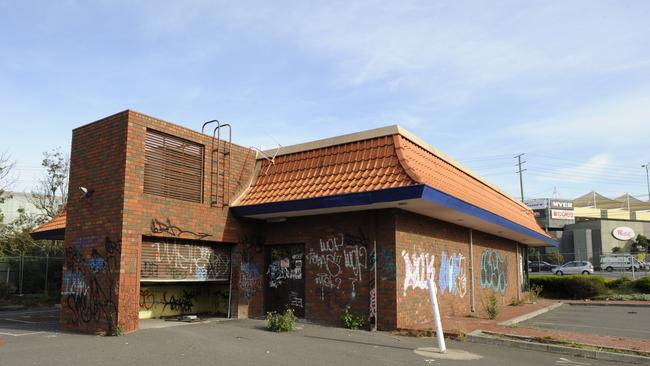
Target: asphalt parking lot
pixel 617 321
pixel 28 322
pixel 244 342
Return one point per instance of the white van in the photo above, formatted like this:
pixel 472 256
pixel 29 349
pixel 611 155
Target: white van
pixel 619 261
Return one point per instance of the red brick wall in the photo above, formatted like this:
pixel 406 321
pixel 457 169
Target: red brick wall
pixel 108 156
pixel 141 208
pixel 331 286
pixel 91 273
pixel 104 238
pixel 427 247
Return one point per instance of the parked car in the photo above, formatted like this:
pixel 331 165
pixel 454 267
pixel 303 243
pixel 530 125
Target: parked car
pixel 620 262
pixel 539 266
pixel 575 267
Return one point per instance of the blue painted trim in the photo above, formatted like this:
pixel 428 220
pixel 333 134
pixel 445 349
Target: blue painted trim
pixel 339 200
pixel 435 196
pixel 420 191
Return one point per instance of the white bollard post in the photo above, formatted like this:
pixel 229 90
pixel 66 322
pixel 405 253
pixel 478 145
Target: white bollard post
pixel 436 316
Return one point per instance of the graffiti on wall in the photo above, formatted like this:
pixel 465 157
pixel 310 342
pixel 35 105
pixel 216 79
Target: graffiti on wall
pixel 170 260
pixel 250 279
pixel 90 281
pixel 166 227
pixel 250 276
pixel 452 275
pixel 494 271
pixel 171 300
pixel 182 303
pixel 284 269
pixel 341 258
pixel 147 299
pixel 419 268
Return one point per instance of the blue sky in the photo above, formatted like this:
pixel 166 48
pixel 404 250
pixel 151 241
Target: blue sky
pixel 566 82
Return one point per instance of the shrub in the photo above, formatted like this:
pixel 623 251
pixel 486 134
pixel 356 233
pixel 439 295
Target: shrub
pixel 533 293
pixel 626 297
pixel 642 285
pixel 492 306
pixel 118 331
pixel 618 283
pixel 280 322
pixel 570 287
pixel 351 321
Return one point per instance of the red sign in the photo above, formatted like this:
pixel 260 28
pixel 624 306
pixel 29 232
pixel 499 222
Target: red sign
pixel 562 214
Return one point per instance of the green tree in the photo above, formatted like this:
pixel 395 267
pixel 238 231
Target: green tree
pixel 6 167
pixel 533 254
pixel 554 258
pixel 640 244
pixel 51 193
pixel 15 239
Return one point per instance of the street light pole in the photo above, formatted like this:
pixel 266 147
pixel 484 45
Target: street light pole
pixel 647 179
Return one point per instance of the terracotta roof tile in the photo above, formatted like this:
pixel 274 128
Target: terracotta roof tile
pixel 373 164
pixel 425 167
pixel 57 223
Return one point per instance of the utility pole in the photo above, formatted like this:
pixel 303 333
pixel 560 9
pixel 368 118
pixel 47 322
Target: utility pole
pixel 646 166
pixel 521 177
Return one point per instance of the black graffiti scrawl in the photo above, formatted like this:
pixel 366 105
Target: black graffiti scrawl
pixel 90 281
pixel 285 282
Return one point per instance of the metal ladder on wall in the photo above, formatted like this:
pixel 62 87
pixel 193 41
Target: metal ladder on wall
pixel 219 165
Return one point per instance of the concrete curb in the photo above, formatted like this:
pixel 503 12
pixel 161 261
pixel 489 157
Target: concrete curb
pixel 530 315
pixel 605 304
pixel 480 337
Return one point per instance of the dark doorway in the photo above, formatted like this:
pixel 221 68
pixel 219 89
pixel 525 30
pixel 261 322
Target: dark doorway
pixel 284 285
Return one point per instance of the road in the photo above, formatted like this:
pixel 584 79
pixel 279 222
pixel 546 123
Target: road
pixel 242 342
pixel 616 321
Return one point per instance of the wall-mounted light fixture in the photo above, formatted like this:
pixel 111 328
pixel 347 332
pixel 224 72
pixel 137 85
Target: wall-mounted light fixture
pixel 85 192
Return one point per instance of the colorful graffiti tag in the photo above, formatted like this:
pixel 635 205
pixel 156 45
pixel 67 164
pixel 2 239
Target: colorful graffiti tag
pixel 494 271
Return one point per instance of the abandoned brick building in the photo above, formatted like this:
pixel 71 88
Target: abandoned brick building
pixel 163 220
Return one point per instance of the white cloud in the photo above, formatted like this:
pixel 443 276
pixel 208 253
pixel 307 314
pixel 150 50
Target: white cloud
pixel 621 121
pixel 582 173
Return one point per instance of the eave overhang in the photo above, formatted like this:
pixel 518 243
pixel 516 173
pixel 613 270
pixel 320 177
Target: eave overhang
pixel 420 199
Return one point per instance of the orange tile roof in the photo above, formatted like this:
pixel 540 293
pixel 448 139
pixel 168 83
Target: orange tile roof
pixel 326 168
pixel 57 223
pixel 436 172
pixel 357 166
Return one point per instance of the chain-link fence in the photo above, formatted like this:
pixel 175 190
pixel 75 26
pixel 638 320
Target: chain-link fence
pixel 608 264
pixel 32 275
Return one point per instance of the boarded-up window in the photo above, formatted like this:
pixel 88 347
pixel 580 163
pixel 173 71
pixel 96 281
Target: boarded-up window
pixel 165 260
pixel 173 167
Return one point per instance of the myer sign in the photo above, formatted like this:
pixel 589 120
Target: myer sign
pixel 623 233
pixel 562 205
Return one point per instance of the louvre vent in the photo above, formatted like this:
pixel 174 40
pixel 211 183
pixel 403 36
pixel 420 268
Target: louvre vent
pixel 173 167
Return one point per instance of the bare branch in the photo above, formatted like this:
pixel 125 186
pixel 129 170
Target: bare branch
pixel 51 193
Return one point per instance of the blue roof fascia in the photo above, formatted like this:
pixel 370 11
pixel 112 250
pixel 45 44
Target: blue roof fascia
pixel 435 196
pixel 420 191
pixel 339 200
